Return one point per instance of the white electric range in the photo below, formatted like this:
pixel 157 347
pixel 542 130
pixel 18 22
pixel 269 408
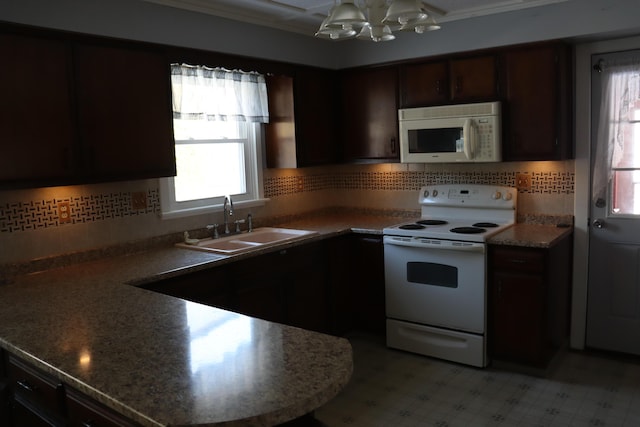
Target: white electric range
pixel 435 270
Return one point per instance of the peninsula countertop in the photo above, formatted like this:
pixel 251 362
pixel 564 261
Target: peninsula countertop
pixel 161 360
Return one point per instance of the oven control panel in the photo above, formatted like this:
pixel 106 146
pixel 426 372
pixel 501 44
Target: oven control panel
pixel 472 195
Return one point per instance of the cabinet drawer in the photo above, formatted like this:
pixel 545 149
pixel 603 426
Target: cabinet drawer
pixel 33 385
pixel 519 260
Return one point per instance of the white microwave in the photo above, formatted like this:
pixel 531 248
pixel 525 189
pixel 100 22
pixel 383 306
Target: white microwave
pixel 451 133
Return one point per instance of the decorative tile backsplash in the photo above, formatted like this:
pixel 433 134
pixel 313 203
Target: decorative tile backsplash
pixel 16 216
pixel 541 182
pixel 38 214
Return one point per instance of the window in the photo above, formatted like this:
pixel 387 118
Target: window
pixel 217 128
pixel 625 185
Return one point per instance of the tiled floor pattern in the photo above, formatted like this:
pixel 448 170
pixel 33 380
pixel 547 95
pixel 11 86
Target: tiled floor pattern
pixel 399 389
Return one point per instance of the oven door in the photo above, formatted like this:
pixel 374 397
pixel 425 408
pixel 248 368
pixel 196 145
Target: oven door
pixel 439 283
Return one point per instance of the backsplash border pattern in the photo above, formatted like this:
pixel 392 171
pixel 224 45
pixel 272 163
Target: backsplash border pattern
pixel 541 182
pixel 40 214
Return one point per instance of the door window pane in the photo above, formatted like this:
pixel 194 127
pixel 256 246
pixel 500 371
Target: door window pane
pixel 625 191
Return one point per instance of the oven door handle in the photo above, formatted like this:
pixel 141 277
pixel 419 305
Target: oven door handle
pixel 422 243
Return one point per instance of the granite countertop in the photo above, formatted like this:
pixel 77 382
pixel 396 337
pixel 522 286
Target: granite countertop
pixel 160 360
pixel 531 235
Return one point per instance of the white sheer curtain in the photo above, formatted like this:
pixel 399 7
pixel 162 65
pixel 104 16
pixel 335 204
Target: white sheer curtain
pixel 203 93
pixel 620 91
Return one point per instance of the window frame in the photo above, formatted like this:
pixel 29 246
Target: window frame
pixel 254 164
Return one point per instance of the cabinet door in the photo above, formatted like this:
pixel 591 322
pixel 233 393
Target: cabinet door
pixel 425 84
pixel 517 317
pixel 368 288
pixel 36 111
pixel 257 287
pixel 315 101
pixel 260 297
pixel 340 274
pixel 537 114
pixel 458 80
pixel 474 79
pixel 280 134
pixel 23 414
pixel 125 118
pixel 306 293
pixel 370 115
pixel 37 396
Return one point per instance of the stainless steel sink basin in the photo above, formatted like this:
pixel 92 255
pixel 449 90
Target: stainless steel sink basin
pixel 259 238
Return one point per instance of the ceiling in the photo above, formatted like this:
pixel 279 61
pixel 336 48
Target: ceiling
pixel 305 16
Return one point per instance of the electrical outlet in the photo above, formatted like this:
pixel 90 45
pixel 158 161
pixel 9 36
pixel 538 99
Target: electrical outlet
pixel 138 200
pixel 64 212
pixel 523 181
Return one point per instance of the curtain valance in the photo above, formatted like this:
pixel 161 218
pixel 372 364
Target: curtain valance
pixel 202 93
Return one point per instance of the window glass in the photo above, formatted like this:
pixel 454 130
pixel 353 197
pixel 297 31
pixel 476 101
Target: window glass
pixel 625 188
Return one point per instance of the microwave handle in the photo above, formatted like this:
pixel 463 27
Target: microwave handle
pixel 470 135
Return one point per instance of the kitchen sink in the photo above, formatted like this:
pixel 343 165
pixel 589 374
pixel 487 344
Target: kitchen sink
pixel 259 238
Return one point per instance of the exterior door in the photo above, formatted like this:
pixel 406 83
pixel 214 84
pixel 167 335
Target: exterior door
pixel 613 311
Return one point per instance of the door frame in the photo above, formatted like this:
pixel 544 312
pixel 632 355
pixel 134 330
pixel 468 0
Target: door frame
pixel 581 207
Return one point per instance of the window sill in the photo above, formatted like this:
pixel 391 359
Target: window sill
pixel 211 209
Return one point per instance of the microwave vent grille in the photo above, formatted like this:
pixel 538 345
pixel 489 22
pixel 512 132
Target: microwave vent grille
pixel 460 110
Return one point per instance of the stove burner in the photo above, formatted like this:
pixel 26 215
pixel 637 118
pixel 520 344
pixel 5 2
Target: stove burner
pixel 431 222
pixel 411 227
pixel 468 230
pixel 485 224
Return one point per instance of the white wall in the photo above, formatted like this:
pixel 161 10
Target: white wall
pixel 145 21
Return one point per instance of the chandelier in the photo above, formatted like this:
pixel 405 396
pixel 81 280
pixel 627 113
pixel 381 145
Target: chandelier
pixel 375 20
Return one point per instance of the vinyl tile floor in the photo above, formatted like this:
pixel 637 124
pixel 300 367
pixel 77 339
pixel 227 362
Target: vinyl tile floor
pixel 399 389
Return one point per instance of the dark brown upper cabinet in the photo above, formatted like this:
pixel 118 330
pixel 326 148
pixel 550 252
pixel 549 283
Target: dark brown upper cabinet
pixel 280 132
pixel 455 80
pixel 302 122
pixel 369 115
pixel 82 110
pixel 537 107
pixel 124 112
pixel 36 117
pixel 316 110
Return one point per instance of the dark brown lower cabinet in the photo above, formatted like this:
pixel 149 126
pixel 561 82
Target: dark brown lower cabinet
pixel 367 287
pixel 286 286
pixel 356 284
pixel 529 302
pixel 34 398
pixel 5 395
pixel 37 398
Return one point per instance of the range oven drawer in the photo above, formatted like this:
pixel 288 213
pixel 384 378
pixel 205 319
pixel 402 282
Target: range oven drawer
pixel 455 346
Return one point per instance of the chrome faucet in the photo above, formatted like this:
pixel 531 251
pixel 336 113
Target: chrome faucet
pixel 228 211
